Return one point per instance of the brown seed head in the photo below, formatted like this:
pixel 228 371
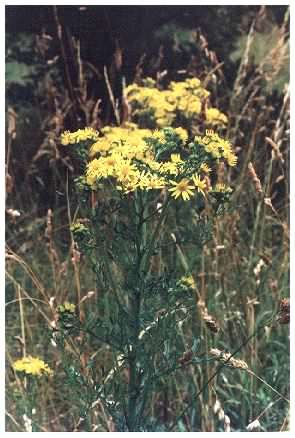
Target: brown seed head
pixel 226 358
pixel 211 323
pixel 186 357
pixel 284 313
pixel 285 305
pixel 254 177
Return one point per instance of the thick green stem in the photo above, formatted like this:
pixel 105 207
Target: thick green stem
pixel 151 247
pixel 134 310
pixel 133 387
pixel 145 247
pixel 144 250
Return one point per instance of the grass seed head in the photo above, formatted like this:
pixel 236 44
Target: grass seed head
pixel 226 358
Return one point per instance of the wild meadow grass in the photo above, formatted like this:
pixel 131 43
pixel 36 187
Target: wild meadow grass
pixel 209 347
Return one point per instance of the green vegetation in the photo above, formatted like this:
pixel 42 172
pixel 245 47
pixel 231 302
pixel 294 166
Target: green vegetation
pixel 147 245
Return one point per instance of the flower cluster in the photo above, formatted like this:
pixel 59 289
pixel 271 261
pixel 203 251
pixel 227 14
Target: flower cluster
pixel 139 159
pixel 130 158
pixel 187 282
pixel 217 147
pixel 182 100
pixel 113 137
pixel 68 320
pixel 215 117
pixel 33 366
pixel 66 307
pixel 81 232
pixel 68 137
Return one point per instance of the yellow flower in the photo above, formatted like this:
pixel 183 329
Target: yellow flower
pixel 214 116
pixel 102 146
pixel 129 186
pixel 68 137
pixel 231 158
pixel 66 307
pixel 153 182
pixel 32 365
pixel 188 281
pixel 194 108
pixel 182 188
pixel 125 170
pixel 110 161
pixel 96 170
pixel 217 147
pixel 168 167
pixel 205 168
pixel 129 140
pixel 222 188
pixel 182 133
pixel 78 227
pixel 175 158
pixel 158 135
pixel 162 106
pixel 200 185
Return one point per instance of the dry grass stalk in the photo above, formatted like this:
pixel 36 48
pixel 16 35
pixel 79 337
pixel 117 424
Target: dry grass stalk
pixel 227 424
pixel 227 359
pixel 254 426
pixel 217 409
pixel 52 253
pixel 254 177
pixel 111 96
pixel 210 322
pixel 275 150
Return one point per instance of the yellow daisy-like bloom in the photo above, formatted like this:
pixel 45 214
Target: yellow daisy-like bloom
pixel 182 134
pixel 168 167
pixel 128 139
pixel 205 168
pixel 162 106
pixel 125 171
pixel 100 146
pixel 67 307
pixel 32 365
pixel 110 161
pixel 129 185
pixel 68 137
pixel 77 226
pixel 214 116
pixel 217 147
pixel 126 155
pixel 153 182
pixel 182 188
pixel 158 135
pixel 222 188
pixel 175 158
pixel 96 170
pixel 200 185
pixel 188 281
pixel 231 158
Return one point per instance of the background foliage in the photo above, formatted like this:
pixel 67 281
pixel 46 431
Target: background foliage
pixel 57 62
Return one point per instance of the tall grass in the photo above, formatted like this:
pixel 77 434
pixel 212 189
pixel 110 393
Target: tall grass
pixel 241 275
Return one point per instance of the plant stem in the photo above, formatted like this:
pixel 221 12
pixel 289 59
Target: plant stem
pixel 149 250
pixel 133 390
pixel 134 309
pixel 144 251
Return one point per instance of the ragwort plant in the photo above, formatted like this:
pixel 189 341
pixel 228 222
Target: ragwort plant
pixel 144 188
pixel 29 371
